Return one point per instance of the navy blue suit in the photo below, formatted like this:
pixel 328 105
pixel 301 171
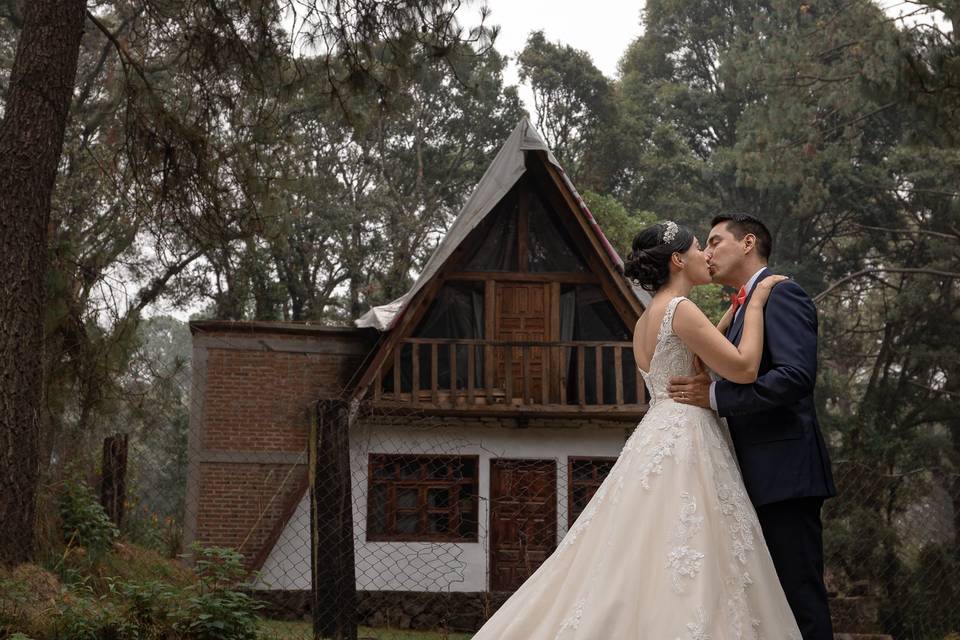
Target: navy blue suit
pixel 782 454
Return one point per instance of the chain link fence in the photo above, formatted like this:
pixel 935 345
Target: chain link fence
pixel 417 524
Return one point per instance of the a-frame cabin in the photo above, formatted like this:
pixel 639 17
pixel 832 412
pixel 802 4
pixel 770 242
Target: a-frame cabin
pixel 498 391
pixel 526 281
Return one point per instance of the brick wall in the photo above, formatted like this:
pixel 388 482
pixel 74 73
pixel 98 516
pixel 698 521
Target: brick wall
pixel 258 400
pixel 254 385
pixel 240 503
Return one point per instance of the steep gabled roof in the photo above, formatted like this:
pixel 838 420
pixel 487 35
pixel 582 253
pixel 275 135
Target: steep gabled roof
pixel 505 170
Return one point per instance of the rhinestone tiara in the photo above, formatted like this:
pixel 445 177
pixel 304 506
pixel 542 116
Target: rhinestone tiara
pixel 670 230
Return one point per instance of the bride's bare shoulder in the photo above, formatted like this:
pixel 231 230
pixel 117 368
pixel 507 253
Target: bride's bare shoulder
pixel 688 313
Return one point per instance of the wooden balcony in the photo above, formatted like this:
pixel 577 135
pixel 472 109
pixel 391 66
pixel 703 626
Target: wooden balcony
pixel 513 378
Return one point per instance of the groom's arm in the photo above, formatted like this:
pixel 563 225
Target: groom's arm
pixel 790 331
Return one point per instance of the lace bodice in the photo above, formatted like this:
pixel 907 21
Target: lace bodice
pixel 671 357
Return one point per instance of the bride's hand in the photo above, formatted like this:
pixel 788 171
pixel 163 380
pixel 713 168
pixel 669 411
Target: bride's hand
pixel 762 291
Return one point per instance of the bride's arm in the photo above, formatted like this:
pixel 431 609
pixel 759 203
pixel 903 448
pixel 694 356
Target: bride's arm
pixel 735 363
pixel 726 320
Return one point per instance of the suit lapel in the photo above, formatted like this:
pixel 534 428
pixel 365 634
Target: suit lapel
pixel 737 328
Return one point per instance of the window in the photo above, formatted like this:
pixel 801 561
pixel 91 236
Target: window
pixel 586 476
pixel 550 245
pixel 587 314
pixel 456 312
pixel 422 498
pixel 498 250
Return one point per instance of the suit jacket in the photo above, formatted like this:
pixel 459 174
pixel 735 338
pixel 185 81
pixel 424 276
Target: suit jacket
pixel 773 421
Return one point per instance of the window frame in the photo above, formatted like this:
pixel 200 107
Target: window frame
pixel 593 484
pixel 423 484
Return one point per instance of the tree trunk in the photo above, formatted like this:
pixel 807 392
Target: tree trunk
pixel 113 478
pixel 356 247
pixel 31 143
pixel 333 571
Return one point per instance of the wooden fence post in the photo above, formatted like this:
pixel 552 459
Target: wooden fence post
pixel 334 597
pixel 113 483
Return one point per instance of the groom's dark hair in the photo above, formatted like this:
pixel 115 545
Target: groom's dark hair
pixel 740 224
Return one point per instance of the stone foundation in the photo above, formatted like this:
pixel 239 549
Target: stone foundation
pixel 396 609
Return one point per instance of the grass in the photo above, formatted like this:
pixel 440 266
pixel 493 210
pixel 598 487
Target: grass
pixel 279 630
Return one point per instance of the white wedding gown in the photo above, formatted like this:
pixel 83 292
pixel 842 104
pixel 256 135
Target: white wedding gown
pixel 669 548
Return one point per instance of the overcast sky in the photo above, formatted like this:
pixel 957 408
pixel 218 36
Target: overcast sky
pixel 602 28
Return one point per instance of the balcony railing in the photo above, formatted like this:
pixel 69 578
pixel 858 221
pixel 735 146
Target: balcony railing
pixel 499 376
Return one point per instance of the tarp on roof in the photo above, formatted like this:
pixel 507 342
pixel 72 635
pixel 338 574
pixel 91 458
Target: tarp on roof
pixel 507 167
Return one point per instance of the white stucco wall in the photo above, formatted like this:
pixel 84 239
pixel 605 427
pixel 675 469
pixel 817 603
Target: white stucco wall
pixel 430 566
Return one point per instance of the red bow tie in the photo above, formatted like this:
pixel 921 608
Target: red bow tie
pixel 737 299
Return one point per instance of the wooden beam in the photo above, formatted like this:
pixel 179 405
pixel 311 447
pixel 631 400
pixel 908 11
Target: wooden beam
pixel 415 376
pixel 598 365
pixel 489 333
pixel 508 370
pixel 471 366
pixel 525 373
pixel 562 378
pixel 434 366
pixel 581 387
pixel 545 372
pixel 519 343
pixel 559 410
pixel 618 372
pixel 453 373
pixel 396 373
pixel 556 354
pixel 566 277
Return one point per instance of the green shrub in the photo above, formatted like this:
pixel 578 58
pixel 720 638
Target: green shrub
pixel 130 593
pixel 210 609
pixel 220 615
pixel 219 611
pixel 13 599
pixel 84 521
pixel 218 567
pixel 151 605
pixel 92 618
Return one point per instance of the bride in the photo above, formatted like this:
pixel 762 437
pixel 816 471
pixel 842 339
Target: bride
pixel 669 547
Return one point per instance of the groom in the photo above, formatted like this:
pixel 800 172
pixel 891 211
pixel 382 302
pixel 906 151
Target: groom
pixel 773 421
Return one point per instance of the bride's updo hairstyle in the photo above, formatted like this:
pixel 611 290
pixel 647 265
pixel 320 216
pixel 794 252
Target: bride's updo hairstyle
pixel 648 264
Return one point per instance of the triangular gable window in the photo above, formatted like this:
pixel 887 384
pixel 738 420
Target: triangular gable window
pixel 498 250
pixel 549 243
pixel 551 248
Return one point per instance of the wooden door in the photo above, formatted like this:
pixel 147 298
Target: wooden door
pixel 523 519
pixel 522 313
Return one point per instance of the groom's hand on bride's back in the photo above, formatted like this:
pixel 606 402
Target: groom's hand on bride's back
pixel 693 390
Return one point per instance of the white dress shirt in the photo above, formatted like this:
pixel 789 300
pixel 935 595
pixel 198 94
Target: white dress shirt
pixel 747 288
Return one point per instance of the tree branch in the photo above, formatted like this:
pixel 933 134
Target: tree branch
pixel 864 272
pixel 935 234
pixel 156 287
